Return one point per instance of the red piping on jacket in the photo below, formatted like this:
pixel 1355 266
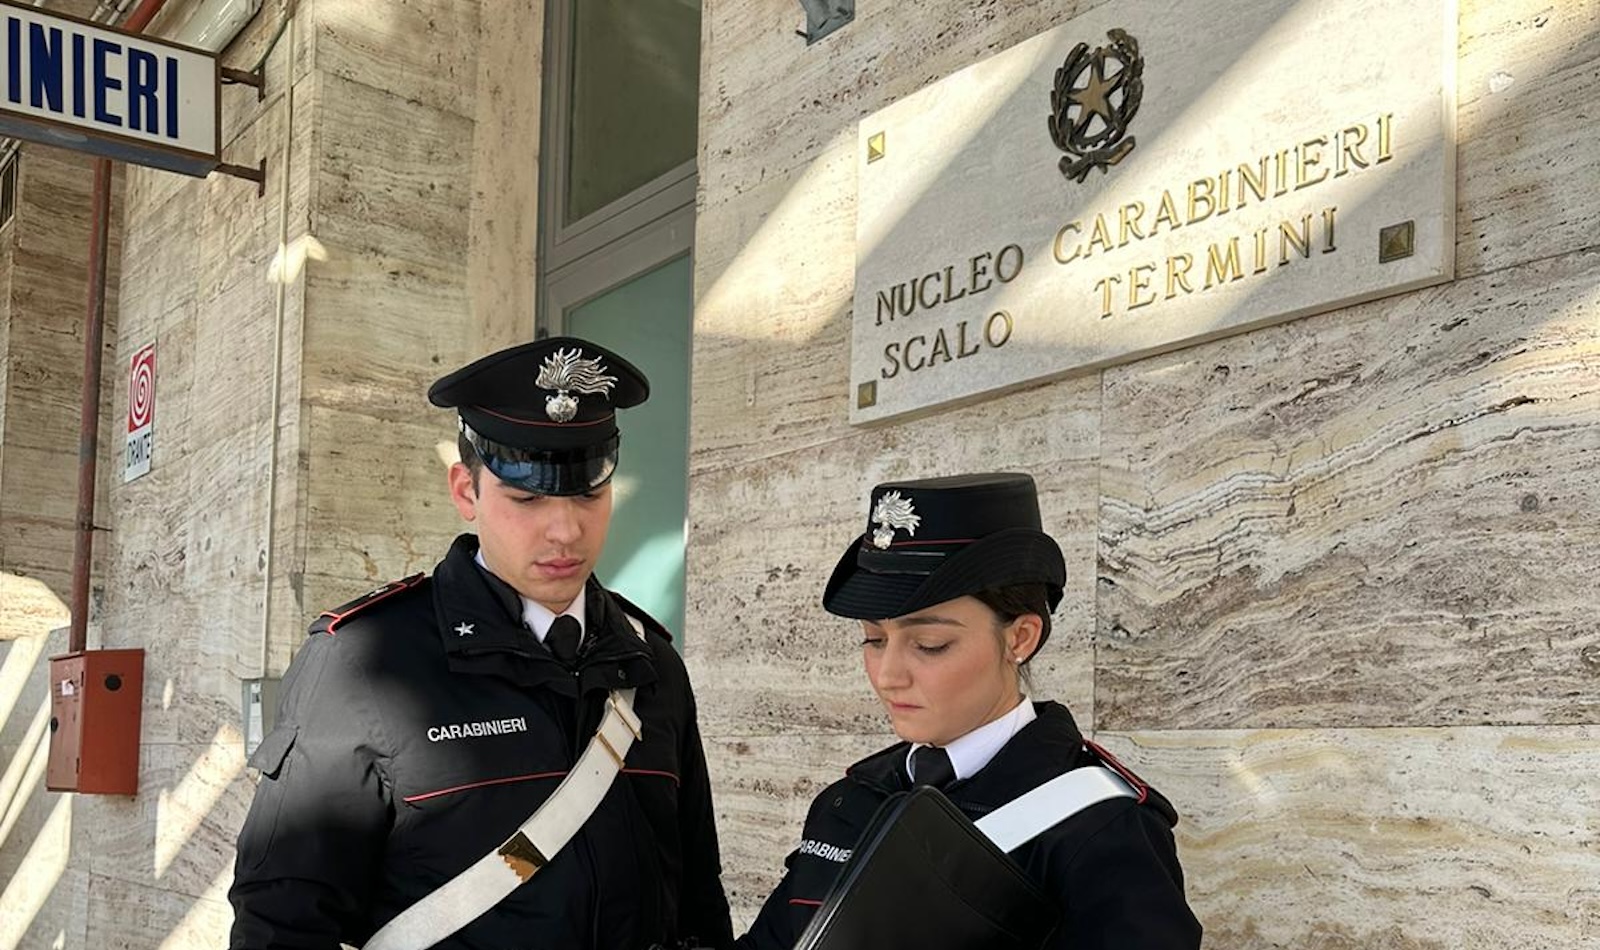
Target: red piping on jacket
pixel 394 588
pixel 1116 766
pixel 493 781
pixel 522 778
pixel 671 775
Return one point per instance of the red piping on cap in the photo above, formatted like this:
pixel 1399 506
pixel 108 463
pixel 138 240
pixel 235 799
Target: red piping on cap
pixel 534 422
pixel 912 544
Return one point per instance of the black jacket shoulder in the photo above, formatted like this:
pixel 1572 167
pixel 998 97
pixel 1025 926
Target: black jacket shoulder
pixel 372 604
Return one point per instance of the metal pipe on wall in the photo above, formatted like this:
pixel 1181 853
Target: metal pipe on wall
pixel 89 406
pixel 279 310
pixel 93 360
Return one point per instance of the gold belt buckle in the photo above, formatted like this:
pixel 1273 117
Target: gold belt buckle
pixel 522 856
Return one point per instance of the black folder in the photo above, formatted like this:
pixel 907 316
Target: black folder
pixel 923 877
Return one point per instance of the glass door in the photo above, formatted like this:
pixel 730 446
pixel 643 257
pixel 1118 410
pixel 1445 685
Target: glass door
pixel 648 320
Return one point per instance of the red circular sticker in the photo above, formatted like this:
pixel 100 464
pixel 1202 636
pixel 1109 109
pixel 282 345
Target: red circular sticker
pixel 142 388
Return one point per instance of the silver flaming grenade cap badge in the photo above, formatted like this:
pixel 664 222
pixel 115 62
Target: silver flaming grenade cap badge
pixel 892 512
pixel 568 372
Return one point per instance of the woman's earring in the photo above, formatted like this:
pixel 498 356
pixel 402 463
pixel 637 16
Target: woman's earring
pixel 1016 659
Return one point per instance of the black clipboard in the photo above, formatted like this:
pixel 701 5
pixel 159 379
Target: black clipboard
pixel 923 877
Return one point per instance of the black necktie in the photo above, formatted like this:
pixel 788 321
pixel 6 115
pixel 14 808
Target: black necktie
pixel 930 765
pixel 563 638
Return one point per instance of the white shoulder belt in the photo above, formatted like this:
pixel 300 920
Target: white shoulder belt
pixel 1031 814
pixel 468 895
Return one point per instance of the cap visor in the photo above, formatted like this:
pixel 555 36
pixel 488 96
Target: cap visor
pixel 554 478
pixel 868 596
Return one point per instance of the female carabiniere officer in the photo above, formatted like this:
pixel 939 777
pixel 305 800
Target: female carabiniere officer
pixel 423 724
pixel 954 583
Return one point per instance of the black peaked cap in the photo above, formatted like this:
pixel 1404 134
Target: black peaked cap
pixel 542 415
pixel 936 539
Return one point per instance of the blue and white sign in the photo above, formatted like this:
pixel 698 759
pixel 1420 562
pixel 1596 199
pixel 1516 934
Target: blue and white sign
pixel 78 85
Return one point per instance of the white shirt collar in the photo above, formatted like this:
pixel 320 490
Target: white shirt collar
pixel 970 753
pixel 536 616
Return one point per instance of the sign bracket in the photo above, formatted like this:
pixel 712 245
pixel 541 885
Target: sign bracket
pixel 244 77
pixel 257 174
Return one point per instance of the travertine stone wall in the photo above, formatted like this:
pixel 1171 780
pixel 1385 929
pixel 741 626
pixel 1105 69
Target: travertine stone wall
pixel 46 252
pixel 1332 584
pixel 395 240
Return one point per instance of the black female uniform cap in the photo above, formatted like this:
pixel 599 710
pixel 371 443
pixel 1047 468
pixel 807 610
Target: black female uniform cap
pixel 543 416
pixel 936 539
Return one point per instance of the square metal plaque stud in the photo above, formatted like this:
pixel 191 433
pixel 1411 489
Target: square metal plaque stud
pixel 876 146
pixel 867 394
pixel 1397 241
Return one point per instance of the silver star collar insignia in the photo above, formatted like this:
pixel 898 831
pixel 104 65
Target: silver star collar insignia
pixel 568 372
pixel 892 513
pixel 464 630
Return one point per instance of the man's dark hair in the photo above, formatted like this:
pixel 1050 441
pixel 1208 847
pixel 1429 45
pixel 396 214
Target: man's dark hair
pixel 469 457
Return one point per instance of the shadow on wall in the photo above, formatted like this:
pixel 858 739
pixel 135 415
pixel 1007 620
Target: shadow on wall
pixel 772 353
pixel 160 862
pixel 35 828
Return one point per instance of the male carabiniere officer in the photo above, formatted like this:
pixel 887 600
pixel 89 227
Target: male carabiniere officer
pixel 423 723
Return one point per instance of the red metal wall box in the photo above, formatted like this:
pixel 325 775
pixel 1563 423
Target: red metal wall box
pixel 96 697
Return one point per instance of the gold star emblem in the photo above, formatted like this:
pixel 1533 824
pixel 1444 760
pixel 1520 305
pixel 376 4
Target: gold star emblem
pixel 1094 99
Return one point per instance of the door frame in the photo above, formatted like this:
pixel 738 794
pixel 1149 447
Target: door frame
pixel 628 236
pixel 615 264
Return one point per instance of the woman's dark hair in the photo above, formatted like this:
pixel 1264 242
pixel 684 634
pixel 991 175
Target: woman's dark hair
pixel 1015 600
pixel 1011 602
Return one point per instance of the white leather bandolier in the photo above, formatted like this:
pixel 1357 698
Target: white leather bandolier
pixel 465 897
pixel 1031 814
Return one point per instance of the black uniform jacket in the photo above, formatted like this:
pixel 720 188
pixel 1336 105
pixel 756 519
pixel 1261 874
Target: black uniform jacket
pixel 1113 866
pixel 421 725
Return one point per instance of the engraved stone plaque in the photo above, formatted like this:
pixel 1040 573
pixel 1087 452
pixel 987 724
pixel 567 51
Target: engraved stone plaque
pixel 1144 177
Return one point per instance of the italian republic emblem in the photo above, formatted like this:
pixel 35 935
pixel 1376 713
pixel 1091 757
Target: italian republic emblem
pixel 1095 97
pixel 893 512
pixel 567 372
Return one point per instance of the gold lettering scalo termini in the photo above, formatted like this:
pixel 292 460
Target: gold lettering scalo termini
pixel 1221 262
pixel 922 351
